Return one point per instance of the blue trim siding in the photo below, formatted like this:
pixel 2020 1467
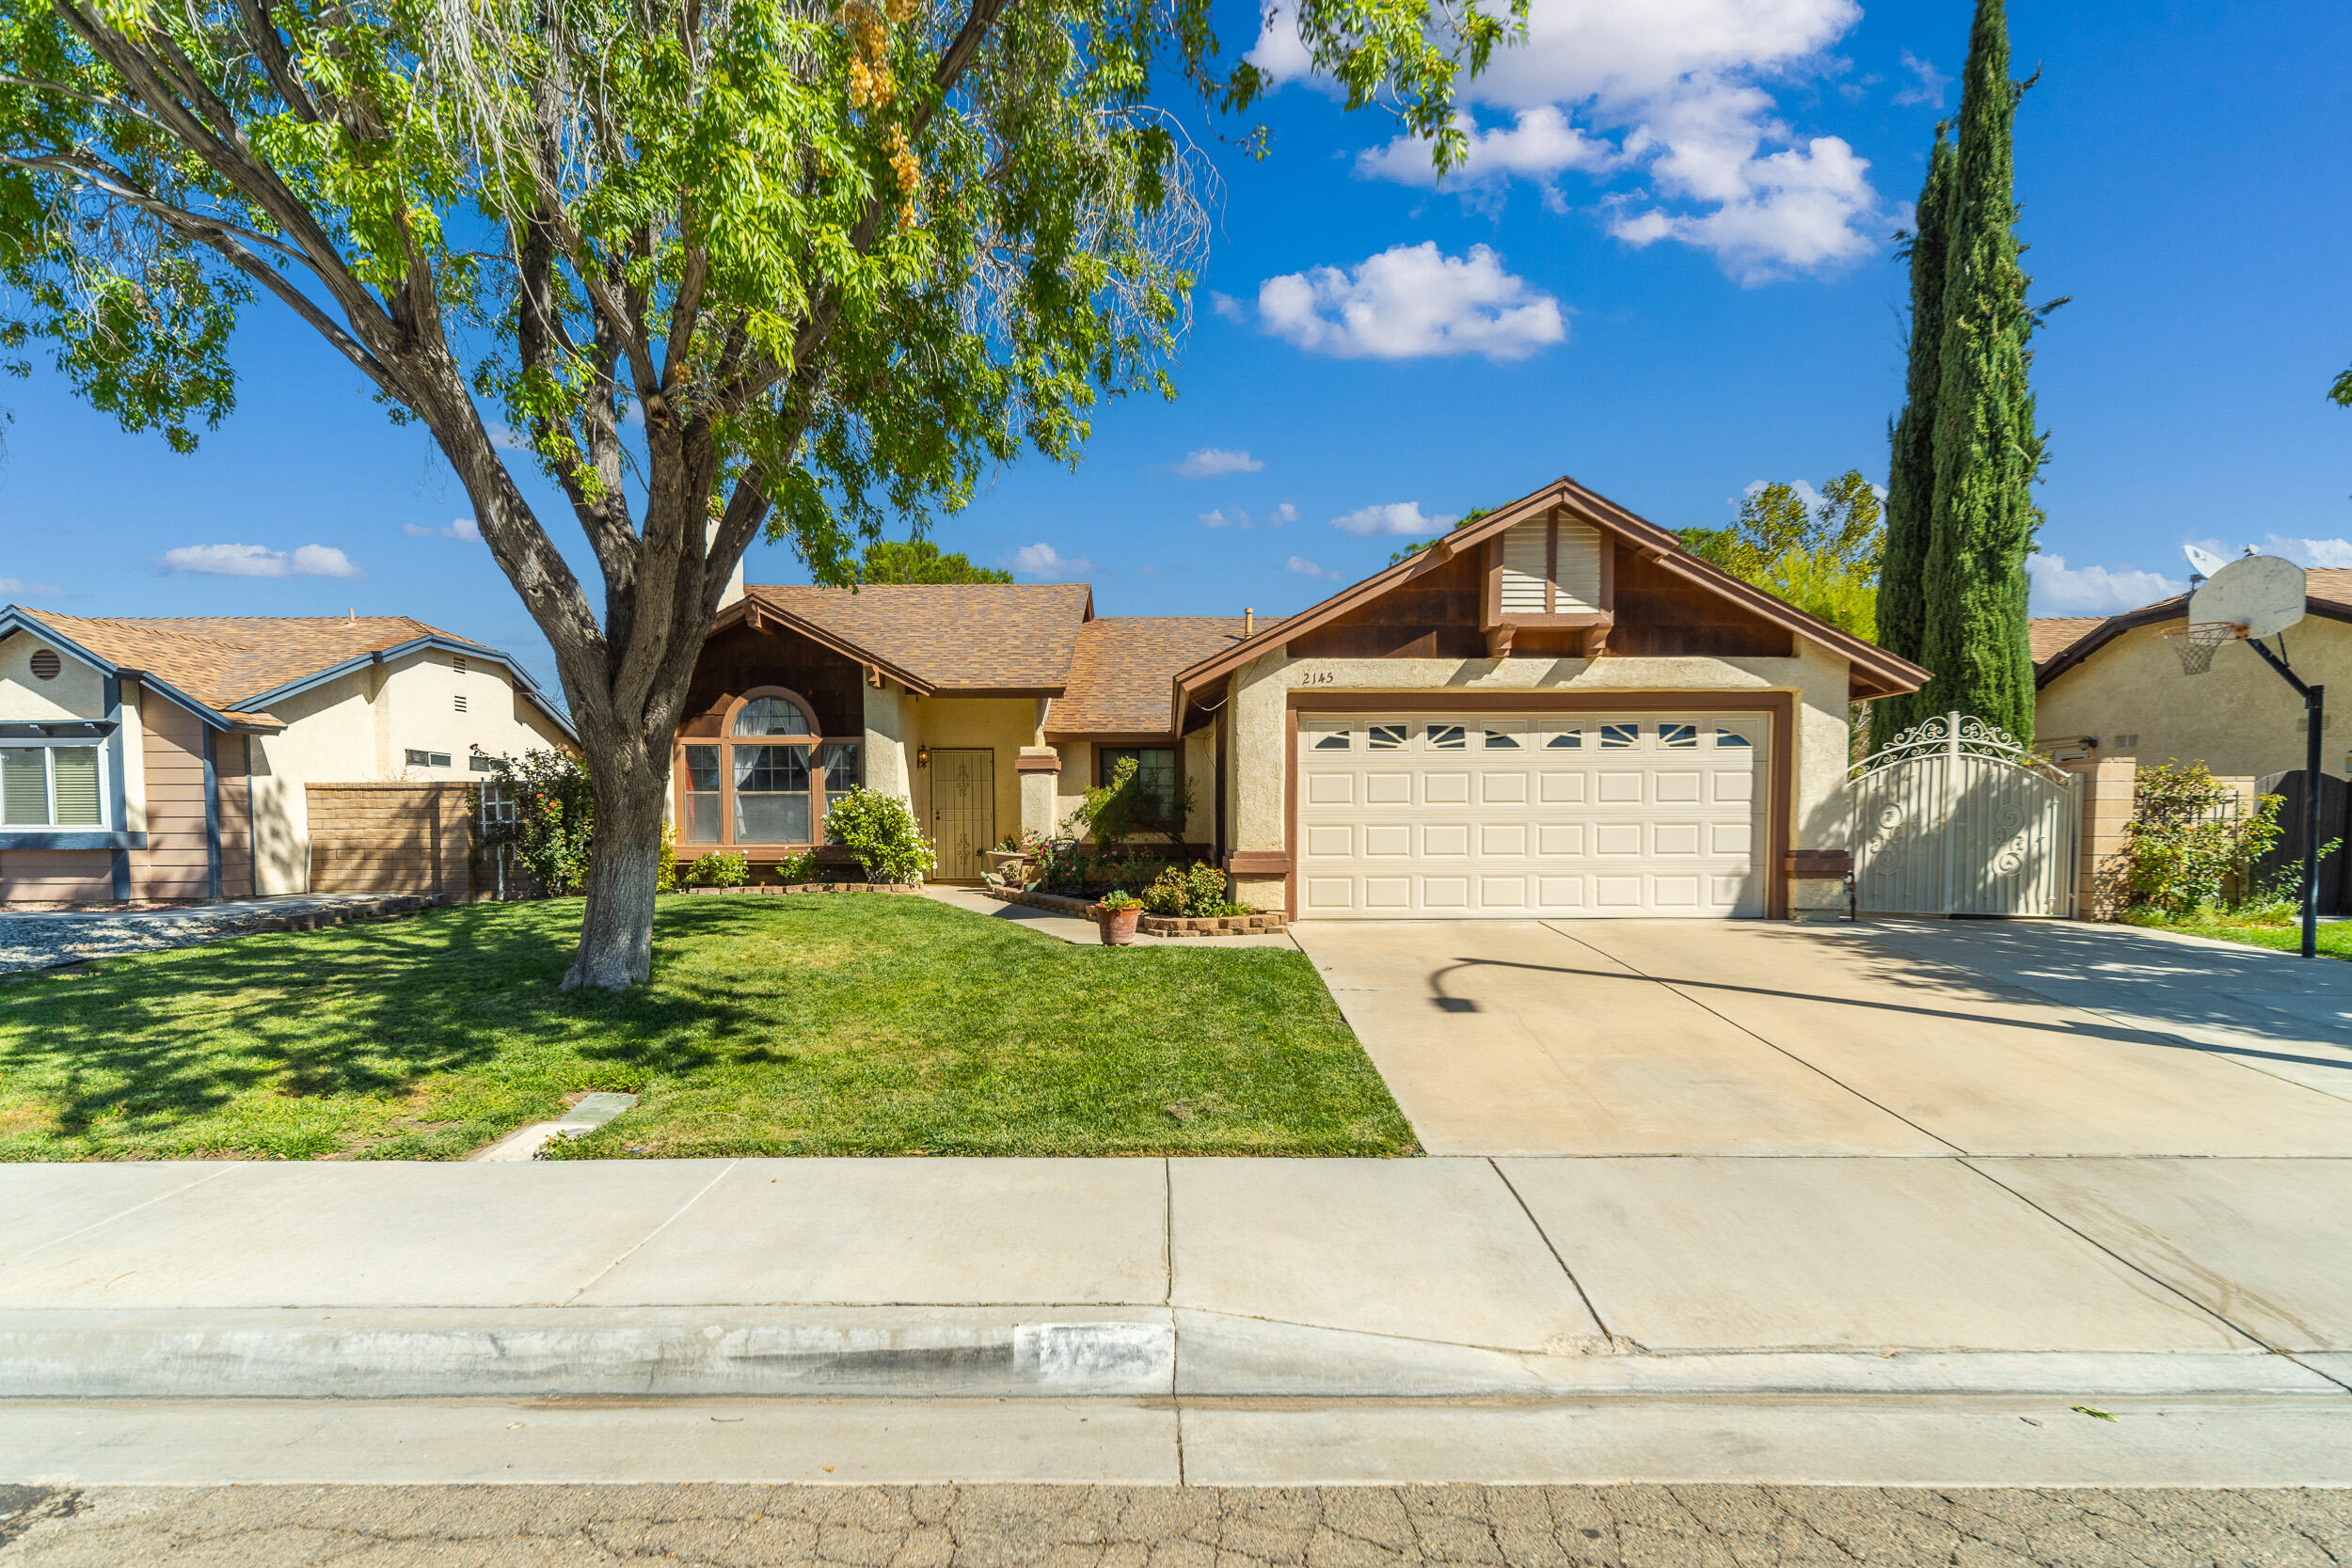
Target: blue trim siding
pixel 118 787
pixel 43 839
pixel 211 817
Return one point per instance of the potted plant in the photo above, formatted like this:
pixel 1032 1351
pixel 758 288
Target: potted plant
pixel 1117 914
pixel 1006 860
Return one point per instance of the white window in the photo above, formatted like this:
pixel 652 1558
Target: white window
pixel 427 759
pixel 59 784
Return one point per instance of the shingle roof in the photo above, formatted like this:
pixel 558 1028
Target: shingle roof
pixel 1122 681
pixel 956 637
pixel 223 659
pixel 2049 636
pixel 2061 642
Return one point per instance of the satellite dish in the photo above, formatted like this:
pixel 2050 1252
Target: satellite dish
pixel 2203 562
pixel 2264 593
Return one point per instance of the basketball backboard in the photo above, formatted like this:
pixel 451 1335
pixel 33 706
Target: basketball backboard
pixel 2263 593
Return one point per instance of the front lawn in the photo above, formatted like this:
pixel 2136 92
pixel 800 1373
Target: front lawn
pixel 813 1024
pixel 2335 941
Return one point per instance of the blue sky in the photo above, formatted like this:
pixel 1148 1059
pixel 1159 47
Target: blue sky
pixel 1668 272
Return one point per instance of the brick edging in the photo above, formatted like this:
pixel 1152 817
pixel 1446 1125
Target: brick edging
pixel 809 887
pixel 1150 925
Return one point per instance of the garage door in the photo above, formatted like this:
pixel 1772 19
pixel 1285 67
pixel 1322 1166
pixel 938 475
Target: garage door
pixel 1585 814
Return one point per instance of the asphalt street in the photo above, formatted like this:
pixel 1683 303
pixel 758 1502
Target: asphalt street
pixel 1080 1527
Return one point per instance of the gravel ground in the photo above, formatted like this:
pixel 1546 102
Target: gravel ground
pixel 1079 1527
pixel 38 941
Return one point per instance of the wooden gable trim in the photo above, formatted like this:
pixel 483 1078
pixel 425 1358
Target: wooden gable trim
pixel 1876 671
pixel 758 616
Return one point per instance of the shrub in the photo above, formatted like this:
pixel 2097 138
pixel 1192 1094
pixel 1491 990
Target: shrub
pixel 720 868
pixel 880 830
pixel 1115 812
pixel 1117 900
pixel 553 831
pixel 2183 849
pixel 665 871
pixel 1191 892
pixel 797 869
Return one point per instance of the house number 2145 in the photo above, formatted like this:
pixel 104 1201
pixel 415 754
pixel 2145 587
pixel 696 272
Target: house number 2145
pixel 1318 677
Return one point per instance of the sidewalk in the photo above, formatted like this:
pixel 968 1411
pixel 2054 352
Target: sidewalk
pixel 1276 1320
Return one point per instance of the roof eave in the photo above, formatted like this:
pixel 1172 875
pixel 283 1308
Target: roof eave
pixel 521 677
pixel 823 637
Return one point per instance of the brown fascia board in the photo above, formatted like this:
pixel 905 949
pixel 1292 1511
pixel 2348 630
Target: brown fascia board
pixel 2175 608
pixel 743 607
pixel 1893 673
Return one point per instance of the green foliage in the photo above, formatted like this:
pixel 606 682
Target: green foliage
pixel 1116 902
pixel 2342 391
pixel 1114 814
pixel 1901 611
pixel 1960 558
pixel 553 832
pixel 665 869
pixel 880 830
pixel 1474 514
pixel 2185 846
pixel 797 869
pixel 1190 891
pixel 720 868
pixel 1823 557
pixel 921 561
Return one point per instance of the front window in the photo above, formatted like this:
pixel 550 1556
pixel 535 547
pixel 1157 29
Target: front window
pixel 766 782
pixel 1156 777
pixel 51 786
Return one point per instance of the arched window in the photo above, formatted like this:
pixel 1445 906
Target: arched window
pixel 764 784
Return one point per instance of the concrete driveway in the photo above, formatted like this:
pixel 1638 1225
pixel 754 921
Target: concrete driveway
pixel 1900 1039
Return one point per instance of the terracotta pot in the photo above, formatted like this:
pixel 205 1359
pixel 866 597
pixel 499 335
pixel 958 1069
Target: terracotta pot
pixel 1118 925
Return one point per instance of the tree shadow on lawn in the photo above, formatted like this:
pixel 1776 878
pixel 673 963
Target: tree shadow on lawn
pixel 142 1044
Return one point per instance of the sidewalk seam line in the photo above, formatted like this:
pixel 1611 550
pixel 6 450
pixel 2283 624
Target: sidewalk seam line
pixel 2159 1281
pixel 1545 1236
pixel 126 1213
pixel 1761 1039
pixel 699 1194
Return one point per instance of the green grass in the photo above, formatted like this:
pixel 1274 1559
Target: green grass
pixel 2335 941
pixel 841 1025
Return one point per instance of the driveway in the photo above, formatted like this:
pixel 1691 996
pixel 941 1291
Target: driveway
pixel 1897 1038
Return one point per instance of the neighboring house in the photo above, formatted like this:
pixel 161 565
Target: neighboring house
pixel 1555 711
pixel 2113 688
pixel 167 758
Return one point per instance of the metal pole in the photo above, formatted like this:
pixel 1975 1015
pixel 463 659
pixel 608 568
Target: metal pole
pixel 2315 707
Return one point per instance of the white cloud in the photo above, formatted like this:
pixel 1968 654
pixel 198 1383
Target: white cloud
pixel 1227 306
pixel 256 561
pixel 2308 552
pixel 18 585
pixel 2062 590
pixel 459 528
pixel 1044 560
pixel 1307 568
pixel 1397 518
pixel 1209 461
pixel 1672 90
pixel 1286 512
pixel 1412 302
pixel 1927 87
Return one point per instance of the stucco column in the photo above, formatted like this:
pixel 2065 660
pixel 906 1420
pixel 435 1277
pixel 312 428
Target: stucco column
pixel 1039 767
pixel 886 743
pixel 2110 785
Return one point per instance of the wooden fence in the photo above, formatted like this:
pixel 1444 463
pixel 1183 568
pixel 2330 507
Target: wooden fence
pixel 412 838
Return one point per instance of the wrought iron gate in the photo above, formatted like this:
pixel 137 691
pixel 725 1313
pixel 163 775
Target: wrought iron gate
pixel 1955 818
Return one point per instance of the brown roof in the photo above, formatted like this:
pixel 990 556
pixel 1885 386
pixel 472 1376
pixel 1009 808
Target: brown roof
pixel 223 659
pixel 1123 679
pixel 953 636
pixel 2061 642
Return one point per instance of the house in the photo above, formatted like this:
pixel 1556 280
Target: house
pixel 2113 686
pixel 1554 711
pixel 167 758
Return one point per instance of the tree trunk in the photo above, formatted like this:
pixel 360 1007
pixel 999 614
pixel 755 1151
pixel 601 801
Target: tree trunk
pixel 616 929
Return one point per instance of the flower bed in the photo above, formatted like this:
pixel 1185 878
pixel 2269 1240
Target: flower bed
pixel 1153 925
pixel 811 887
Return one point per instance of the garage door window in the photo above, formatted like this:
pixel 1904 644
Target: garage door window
pixel 1446 738
pixel 1336 742
pixel 1566 740
pixel 1680 737
pixel 1501 740
pixel 1387 737
pixel 1619 737
pixel 1732 738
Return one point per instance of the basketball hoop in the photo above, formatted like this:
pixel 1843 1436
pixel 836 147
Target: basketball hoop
pixel 2196 642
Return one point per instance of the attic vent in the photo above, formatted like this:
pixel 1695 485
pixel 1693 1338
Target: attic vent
pixel 457 662
pixel 461 702
pixel 45 663
pixel 1551 568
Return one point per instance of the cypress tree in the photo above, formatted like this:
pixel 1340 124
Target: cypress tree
pixel 1910 468
pixel 1986 452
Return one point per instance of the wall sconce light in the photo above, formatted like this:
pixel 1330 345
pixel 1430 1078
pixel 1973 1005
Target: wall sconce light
pixel 922 756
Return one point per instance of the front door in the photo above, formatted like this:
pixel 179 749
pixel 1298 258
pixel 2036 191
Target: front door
pixel 963 811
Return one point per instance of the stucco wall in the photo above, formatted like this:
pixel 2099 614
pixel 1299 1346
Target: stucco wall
pixel 2239 717
pixel 887 759
pixel 1078 774
pixel 1257 765
pixel 77 691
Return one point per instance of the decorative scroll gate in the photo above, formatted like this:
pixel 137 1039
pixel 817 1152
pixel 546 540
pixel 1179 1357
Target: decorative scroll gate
pixel 1954 818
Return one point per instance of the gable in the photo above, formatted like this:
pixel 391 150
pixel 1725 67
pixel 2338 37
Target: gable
pixel 736 659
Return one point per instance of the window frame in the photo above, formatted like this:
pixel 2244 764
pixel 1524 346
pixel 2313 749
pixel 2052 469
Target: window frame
pixel 1104 765
pixel 725 742
pixel 49 745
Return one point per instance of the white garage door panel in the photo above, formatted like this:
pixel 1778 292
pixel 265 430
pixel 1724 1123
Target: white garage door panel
pixel 1629 814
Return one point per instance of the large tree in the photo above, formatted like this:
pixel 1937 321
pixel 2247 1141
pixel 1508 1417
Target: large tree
pixel 921 561
pixel 1899 611
pixel 716 265
pixel 1820 552
pixel 1981 516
